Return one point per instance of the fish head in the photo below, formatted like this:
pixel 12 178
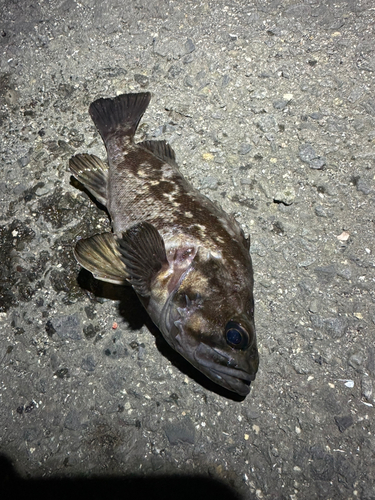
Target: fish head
pixel 209 320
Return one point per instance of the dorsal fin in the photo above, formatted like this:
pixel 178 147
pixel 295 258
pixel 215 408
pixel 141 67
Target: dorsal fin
pixel 161 149
pixel 92 172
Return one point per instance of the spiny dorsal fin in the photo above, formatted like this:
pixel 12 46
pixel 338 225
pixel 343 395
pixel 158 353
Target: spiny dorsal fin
pixel 92 172
pixel 143 253
pixel 161 149
pixel 119 115
pixel 100 255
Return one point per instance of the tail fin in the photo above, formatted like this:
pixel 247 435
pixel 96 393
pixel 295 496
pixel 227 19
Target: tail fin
pixel 120 115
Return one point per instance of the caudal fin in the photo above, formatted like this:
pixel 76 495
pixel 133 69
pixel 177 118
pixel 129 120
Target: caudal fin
pixel 120 115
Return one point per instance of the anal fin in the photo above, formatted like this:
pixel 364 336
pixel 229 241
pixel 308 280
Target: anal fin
pixel 100 255
pixel 92 172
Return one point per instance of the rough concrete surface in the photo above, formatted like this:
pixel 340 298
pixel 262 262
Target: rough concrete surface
pixel 270 108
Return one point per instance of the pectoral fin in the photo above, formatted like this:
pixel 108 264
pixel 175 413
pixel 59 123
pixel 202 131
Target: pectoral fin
pixel 92 172
pixel 100 255
pixel 143 253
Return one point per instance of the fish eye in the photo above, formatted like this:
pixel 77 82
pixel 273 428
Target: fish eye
pixel 236 336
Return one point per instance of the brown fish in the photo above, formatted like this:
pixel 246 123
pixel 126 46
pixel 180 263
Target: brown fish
pixel 187 260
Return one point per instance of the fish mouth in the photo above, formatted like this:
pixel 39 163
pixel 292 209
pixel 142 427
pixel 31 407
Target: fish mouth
pixel 210 361
pixel 233 379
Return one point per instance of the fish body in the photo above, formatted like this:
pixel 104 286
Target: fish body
pixel 187 260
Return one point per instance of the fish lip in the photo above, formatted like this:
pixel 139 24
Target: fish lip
pixel 234 379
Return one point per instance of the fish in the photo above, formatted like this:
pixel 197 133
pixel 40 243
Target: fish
pixel 187 260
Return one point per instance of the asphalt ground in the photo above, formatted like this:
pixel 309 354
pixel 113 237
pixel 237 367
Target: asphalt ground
pixel 270 108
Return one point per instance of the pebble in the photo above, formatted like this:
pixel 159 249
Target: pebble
pixel 31 434
pixel 308 234
pixel 308 155
pixel 210 182
pixel 88 363
pixel 251 413
pixel 302 364
pixel 143 80
pixel 73 420
pixel 320 212
pixel 345 273
pixel 281 104
pixel 67 327
pixel 371 358
pixel 314 306
pixel 24 160
pixel 267 123
pixel 307 262
pixel 317 163
pixel 189 46
pixel 260 93
pixel 356 361
pixel 180 432
pixel 367 389
pixel 325 274
pixel 113 382
pixel 188 81
pixel 356 93
pixel 286 195
pixel 335 327
pixel 363 186
pixel 244 149
pixel 257 248
pixel 316 116
pixel 173 48
pixel 344 422
pixel 322 465
pixel 47 188
pixel 225 81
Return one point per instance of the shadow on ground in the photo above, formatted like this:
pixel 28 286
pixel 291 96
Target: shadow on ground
pixel 168 487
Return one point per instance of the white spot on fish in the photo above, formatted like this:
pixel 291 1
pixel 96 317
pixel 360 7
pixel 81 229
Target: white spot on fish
pixel 201 228
pixel 189 214
pixel 216 255
pixel 168 171
pixel 171 199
